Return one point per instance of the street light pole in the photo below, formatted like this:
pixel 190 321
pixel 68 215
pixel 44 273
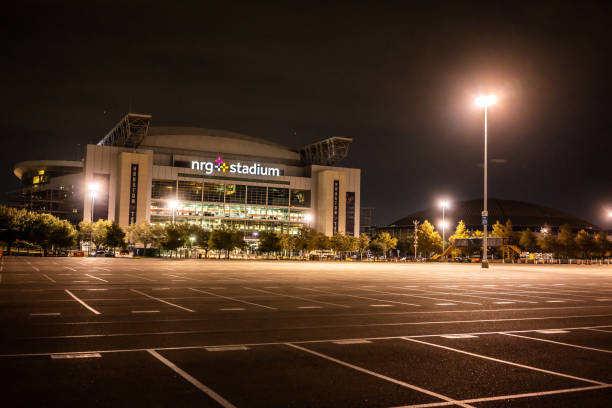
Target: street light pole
pixel 93 189
pixel 485 101
pixel 444 204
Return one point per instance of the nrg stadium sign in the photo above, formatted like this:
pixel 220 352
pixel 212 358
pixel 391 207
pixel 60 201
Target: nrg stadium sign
pixel 220 165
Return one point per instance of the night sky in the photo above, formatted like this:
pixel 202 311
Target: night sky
pixel 399 78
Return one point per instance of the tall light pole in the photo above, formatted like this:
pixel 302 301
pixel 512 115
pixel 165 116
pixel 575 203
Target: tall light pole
pixel 443 204
pixel 173 205
pixel 308 218
pixel 93 190
pixel 484 102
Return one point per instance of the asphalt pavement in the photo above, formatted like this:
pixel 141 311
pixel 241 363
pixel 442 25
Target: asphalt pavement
pixel 216 333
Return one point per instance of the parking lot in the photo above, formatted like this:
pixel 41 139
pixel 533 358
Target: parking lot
pixel 150 332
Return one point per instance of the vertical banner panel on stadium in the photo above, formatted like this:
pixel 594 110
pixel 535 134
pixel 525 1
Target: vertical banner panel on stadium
pixel 133 194
pixel 336 206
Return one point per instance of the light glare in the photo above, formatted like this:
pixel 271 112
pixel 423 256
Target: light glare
pixel 485 100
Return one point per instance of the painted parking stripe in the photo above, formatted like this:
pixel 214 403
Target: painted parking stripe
pixel 378 375
pixel 356 341
pixel 231 298
pixel 310 307
pixel 222 401
pixel 232 308
pixel 420 296
pixel 552 331
pixel 45 314
pixel 46 276
pixel 91 309
pixel 163 301
pixel 558 342
pixel 140 277
pixel 95 277
pixel 296 297
pixel 75 355
pixel 356 296
pixel 381 305
pixel 145 311
pixel 509 397
pixel 503 361
pixel 459 336
pixel 226 348
pixel 446 304
pixel 69 268
pixel 36 269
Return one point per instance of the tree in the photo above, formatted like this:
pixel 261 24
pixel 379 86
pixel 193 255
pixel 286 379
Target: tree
pixel 429 239
pixel 115 236
pixel 362 244
pixel 477 234
pixel 528 241
pixel 63 235
pixel 461 232
pixel 141 233
pixel 224 240
pixel 549 243
pixel 158 236
pixel 99 232
pixel 269 242
pixel 585 244
pixel 509 233
pixel 174 237
pixel 498 230
pixel 566 240
pixel 384 242
pixel 601 244
pixel 321 241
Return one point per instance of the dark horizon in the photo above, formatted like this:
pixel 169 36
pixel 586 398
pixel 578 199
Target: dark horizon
pixel 399 80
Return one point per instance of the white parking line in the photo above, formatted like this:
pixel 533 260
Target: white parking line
pixel 358 297
pixel 503 361
pixel 232 308
pixel 75 355
pixel 72 269
pixel 163 301
pixel 355 341
pixel 45 314
pixel 145 311
pixel 140 277
pixel 381 376
pixel 381 305
pixel 420 296
pixel 310 307
pixel 95 277
pixel 45 275
pixel 226 348
pixel 558 342
pixel 91 309
pixel 296 297
pixel 234 299
pixel 222 401
pixel 599 330
pixel 36 269
pixel 508 397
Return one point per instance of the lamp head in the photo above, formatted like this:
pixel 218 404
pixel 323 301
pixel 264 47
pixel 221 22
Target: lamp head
pixel 485 100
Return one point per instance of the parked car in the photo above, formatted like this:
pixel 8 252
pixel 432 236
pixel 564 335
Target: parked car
pixel 109 254
pixel 124 252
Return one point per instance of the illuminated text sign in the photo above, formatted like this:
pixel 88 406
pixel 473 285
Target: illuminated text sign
pixel 240 168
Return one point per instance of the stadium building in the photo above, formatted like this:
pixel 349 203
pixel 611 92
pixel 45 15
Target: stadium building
pixel 210 177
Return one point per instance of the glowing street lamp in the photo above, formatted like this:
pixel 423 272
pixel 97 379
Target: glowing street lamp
pixel 93 191
pixel 484 101
pixel 308 218
pixel 444 205
pixel 173 204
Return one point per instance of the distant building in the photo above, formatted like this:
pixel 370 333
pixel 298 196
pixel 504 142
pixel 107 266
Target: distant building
pixel 213 178
pixel 522 215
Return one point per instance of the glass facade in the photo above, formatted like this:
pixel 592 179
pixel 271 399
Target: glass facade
pixel 243 207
